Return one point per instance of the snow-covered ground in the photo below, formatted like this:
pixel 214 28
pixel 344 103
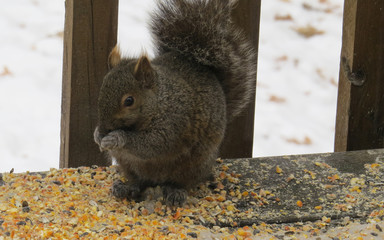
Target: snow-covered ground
pixel 296 90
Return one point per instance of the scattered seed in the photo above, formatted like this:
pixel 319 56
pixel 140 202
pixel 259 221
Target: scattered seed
pixel 84 234
pixel 24 204
pixel 299 203
pixel 56 182
pixel 26 209
pixel 379 228
pixel 192 234
pixel 88 210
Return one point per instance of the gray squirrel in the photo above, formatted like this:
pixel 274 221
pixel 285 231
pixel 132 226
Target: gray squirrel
pixel 163 120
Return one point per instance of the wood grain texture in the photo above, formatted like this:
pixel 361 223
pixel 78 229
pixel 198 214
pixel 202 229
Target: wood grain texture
pixel 90 33
pixel 238 142
pixel 360 115
pixel 316 180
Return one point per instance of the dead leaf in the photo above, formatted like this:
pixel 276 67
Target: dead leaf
pixel 308 7
pixel 287 17
pixel 333 82
pixel 328 9
pixel 306 141
pixel 5 72
pixel 58 34
pixel 276 99
pixel 296 62
pixel 308 31
pixel 282 58
pixel 320 73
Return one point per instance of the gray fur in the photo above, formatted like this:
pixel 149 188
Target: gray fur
pixel 203 30
pixel 184 97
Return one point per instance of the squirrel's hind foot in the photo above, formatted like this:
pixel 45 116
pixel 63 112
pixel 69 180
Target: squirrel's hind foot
pixel 123 190
pixel 174 196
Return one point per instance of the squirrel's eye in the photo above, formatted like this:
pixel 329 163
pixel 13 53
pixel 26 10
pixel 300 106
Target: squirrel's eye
pixel 129 101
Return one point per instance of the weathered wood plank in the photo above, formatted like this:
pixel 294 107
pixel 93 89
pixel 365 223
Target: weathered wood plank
pixel 238 142
pixel 335 185
pixel 360 115
pixel 89 35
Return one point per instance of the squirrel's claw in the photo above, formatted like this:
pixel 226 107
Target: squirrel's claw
pixel 108 143
pixel 111 141
pixel 96 136
pixel 174 196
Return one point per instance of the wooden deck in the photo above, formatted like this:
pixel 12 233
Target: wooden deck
pixel 317 196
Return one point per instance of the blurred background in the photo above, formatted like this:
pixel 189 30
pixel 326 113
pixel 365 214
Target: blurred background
pixel 298 65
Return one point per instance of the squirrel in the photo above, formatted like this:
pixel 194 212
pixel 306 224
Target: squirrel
pixel 163 120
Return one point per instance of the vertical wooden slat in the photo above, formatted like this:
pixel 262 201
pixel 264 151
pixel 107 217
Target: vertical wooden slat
pixel 238 142
pixel 343 102
pixel 360 110
pixel 90 33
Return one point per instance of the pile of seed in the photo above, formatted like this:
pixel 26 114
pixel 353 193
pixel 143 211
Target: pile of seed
pixel 77 204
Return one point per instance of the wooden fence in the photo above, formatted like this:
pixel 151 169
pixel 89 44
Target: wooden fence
pixel 360 106
pixel 91 32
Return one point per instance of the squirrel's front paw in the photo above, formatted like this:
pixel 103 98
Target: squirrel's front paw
pixel 113 140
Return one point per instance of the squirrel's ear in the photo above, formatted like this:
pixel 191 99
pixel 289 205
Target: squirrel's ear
pixel 144 72
pixel 114 57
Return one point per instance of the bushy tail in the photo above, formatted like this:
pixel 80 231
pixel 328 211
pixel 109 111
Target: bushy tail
pixel 203 30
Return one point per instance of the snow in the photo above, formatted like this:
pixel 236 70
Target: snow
pixel 296 90
pixel 302 72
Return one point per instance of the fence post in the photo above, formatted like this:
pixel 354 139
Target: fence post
pixel 360 107
pixel 90 33
pixel 238 142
